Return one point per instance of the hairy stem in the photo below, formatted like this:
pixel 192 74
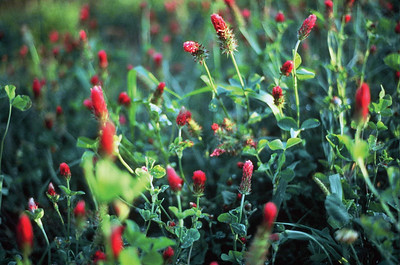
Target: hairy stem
pixel 295 83
pixel 241 83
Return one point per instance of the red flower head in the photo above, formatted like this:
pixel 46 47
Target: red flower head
pixel 103 62
pixel 36 87
pixel 287 68
pixel 217 152
pixel 227 39
pixel 160 87
pixel 157 58
pixel 397 76
pixel 116 240
pixel 397 28
pixel 214 263
pixel 197 50
pixel 270 212
pixel 50 190
pixel 99 104
pixel 328 6
pixel 124 99
pixel 183 117
pixel 59 110
pixel 79 210
pixel 191 46
pixel 168 253
pixel 98 256
pixel 245 185
pixel 306 28
pixel 54 36
pixel 32 206
pixel 277 95
pixel 107 145
pixel 246 13
pixel 23 51
pixel 347 18
pixel 25 234
pixel 363 98
pixel 229 2
pixel 82 35
pixel 95 80
pixel 240 164
pixel 199 180
pixel 215 127
pixel 84 15
pixel 175 182
pixel 65 171
pixel 280 17
pixel 158 93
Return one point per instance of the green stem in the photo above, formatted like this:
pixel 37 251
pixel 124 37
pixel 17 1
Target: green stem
pixel 178 198
pixel 295 83
pixel 355 254
pixel 215 90
pixel 241 208
pixel 40 224
pixel 68 219
pixel 365 61
pixel 241 83
pixel 125 164
pixel 58 212
pixel 152 211
pixel 1 152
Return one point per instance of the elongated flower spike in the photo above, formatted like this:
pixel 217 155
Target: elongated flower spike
pixel 228 43
pixel 98 103
pixel 199 180
pixel 287 68
pixel 270 212
pixel 245 185
pixel 363 99
pixel 25 234
pixel 107 142
pixel 116 240
pixel 278 96
pixel 65 170
pixel 103 62
pixel 306 28
pixel 197 50
pixel 175 182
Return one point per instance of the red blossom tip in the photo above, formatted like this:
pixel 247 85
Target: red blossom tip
pixel 79 210
pixel 168 253
pixel 287 68
pixel 124 99
pixel 98 103
pixel 50 190
pixel 175 182
pixel 306 28
pixel 270 212
pixel 199 180
pixel 107 144
pixel 99 256
pixel 32 206
pixel 363 99
pixel 116 240
pixel 280 17
pixel 191 46
pixel 103 62
pixel 25 233
pixel 65 170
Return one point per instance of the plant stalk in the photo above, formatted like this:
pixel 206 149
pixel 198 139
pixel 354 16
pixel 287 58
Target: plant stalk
pixel 295 83
pixel 241 83
pixel 1 153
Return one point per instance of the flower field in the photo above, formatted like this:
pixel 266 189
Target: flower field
pixel 200 132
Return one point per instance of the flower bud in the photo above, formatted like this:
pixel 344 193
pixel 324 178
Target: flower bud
pixel 124 99
pixel 363 99
pixel 280 17
pixel 107 145
pixel 347 18
pixel 175 182
pixel 168 253
pixel 54 36
pixel 245 185
pixel 98 103
pixel 25 234
pixel 278 96
pixel 95 80
pixel 328 7
pixel 183 117
pixel 270 212
pixel 199 180
pixel 50 190
pixel 155 99
pixel 306 28
pixel 192 205
pixel 157 58
pixel 36 87
pixel 65 171
pixel 99 256
pixel 116 240
pixel 397 28
pixel 79 210
pixel 59 110
pixel 82 36
pixel 103 62
pixel 287 68
pixel 84 14
pixel 215 127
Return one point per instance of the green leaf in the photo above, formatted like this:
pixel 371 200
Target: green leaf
pixel 276 145
pixel 239 229
pixel 152 258
pixel 261 145
pixel 393 61
pixel 309 124
pixel 191 236
pixel 162 242
pixel 287 123
pixel 360 150
pixel 84 142
pixel 128 256
pixel 304 74
pixel 336 185
pixel 292 142
pixel 297 61
pixel 187 213
pixel 10 90
pixel 158 172
pixel 335 209
pixel 22 103
pixel 65 189
pixel 227 218
pixel 175 211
